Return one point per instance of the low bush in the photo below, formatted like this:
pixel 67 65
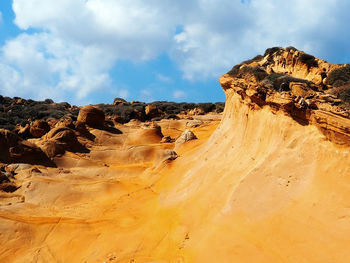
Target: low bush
pixel 338 77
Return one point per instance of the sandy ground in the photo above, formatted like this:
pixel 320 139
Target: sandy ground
pixel 258 187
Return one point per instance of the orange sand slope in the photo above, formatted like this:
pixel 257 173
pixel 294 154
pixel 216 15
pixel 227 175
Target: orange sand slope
pixel 256 187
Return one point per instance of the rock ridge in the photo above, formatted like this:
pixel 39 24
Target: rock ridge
pixel 310 90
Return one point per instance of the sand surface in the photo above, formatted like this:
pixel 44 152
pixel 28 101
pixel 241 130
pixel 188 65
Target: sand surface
pixel 255 187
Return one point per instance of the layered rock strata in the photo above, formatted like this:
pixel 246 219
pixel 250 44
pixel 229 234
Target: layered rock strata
pixel 308 89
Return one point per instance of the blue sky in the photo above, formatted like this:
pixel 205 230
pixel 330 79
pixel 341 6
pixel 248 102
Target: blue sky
pixel 91 51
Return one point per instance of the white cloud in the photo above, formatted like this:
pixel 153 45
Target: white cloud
pixel 81 40
pixel 223 34
pixel 136 29
pixel 179 94
pixel 49 67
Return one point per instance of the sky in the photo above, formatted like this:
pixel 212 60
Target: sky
pixel 91 51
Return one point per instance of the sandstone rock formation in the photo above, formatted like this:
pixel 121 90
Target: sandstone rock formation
pixel 298 84
pixel 186 136
pixel 16 114
pixel 170 155
pixel 39 128
pixel 267 183
pixel 196 111
pixel 194 123
pixel 152 111
pixel 14 149
pixel 91 116
pixel 59 140
pixel 118 101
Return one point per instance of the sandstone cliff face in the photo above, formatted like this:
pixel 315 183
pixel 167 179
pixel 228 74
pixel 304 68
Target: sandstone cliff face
pixel 310 90
pixel 270 183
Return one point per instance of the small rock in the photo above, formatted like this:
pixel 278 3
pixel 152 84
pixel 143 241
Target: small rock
pixel 196 111
pixel 19 166
pixel 194 123
pixel 167 139
pixel 186 136
pixel 118 101
pixel 170 155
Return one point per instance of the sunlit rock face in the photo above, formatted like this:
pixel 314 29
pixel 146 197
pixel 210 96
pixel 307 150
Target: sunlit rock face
pixel 266 181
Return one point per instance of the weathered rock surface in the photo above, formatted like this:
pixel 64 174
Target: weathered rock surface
pixel 118 101
pixel 264 171
pixel 17 114
pixel 91 116
pixel 310 90
pixel 186 136
pixel 39 128
pixel 152 111
pixel 194 123
pixel 14 149
pixel 59 140
pixel 170 155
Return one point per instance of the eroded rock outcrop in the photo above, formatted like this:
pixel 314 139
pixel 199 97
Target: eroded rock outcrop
pixel 59 140
pixel 92 116
pixel 310 90
pixel 14 149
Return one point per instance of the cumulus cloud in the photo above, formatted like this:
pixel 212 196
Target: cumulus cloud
pixel 78 42
pixel 135 29
pixel 50 67
pixel 223 34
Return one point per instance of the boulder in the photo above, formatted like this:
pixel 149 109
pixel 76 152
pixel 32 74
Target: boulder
pixel 196 111
pixel 138 115
pixel 91 116
pixel 186 136
pixel 118 119
pixel 38 128
pixel 151 132
pixel 194 123
pixel 14 149
pixel 53 148
pixel 65 122
pixel 170 155
pixel 300 89
pixel 167 139
pixel 152 111
pixel 118 101
pixel 59 140
pixel 24 132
